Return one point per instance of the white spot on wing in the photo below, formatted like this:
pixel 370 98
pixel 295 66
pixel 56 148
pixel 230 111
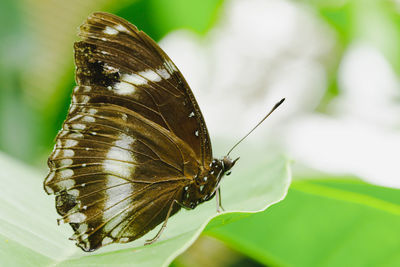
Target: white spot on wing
pixel 119 154
pixel 56 152
pixel 83 228
pixel 72 107
pixel 50 176
pixel 75 135
pixel 191 114
pixel 49 189
pixel 133 79
pixel 66 162
pixel 89 119
pixel 92 111
pixel 107 240
pixel 76 117
pixel 66 183
pixel 151 75
pixel 110 31
pixel 86 88
pixel 74 192
pixel 62 133
pixel 109 68
pixel 124 88
pixel 78 126
pixel 85 99
pixel 196 133
pixel 68 153
pixel 121 28
pixel 117 229
pixel 163 73
pixel 118 189
pixel 76 217
pixel 118 193
pixel 170 66
pixel 118 168
pixel 58 143
pixel 66 173
pixel 124 116
pixel 71 143
pixel 113 227
pixel 124 141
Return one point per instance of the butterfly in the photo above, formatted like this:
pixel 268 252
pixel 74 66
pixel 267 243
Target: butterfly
pixel 134 148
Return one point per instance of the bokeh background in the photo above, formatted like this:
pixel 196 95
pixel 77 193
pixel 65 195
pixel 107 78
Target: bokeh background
pixel 336 62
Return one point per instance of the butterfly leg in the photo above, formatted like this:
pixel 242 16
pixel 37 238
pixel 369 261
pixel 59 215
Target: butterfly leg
pixel 154 239
pixel 218 198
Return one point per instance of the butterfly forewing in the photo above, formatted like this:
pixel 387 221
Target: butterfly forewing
pixel 133 139
pixel 160 87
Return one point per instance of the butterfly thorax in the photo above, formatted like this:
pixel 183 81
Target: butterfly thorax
pixel 206 182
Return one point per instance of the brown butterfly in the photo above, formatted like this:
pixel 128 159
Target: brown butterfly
pixel 134 147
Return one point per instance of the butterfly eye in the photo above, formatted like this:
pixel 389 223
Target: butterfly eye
pixel 228 173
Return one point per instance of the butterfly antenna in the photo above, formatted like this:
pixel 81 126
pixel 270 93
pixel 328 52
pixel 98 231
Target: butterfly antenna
pixel 258 124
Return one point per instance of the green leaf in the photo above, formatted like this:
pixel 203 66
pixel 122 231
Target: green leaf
pixel 323 223
pixel 29 235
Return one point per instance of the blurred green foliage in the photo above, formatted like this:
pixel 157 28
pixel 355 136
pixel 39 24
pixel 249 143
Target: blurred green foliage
pixel 27 130
pixel 159 17
pixel 322 223
pixel 376 22
pixel 16 118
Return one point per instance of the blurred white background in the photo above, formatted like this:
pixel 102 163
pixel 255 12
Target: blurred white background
pixel 261 51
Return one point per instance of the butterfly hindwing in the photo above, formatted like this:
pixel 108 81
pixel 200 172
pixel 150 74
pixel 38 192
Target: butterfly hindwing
pixel 127 213
pixel 133 138
pixel 105 177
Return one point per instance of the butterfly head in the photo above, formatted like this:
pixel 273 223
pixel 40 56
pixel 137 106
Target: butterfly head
pixel 227 164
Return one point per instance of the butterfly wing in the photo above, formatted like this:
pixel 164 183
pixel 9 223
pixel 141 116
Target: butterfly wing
pixel 164 90
pixel 133 138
